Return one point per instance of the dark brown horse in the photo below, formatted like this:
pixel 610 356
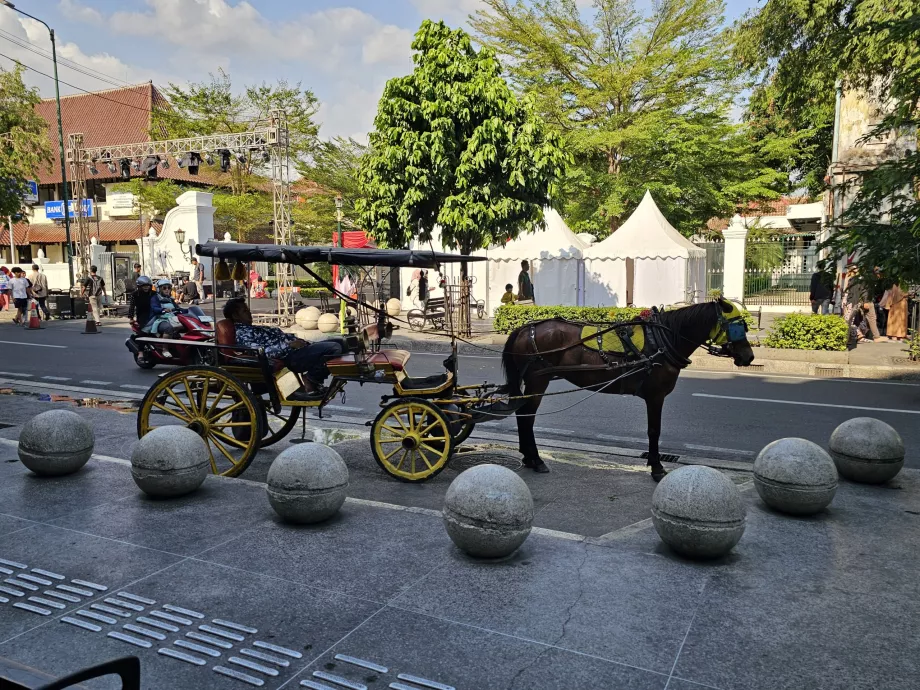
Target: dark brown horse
pixel 539 352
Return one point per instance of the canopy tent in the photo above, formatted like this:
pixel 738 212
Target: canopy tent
pixel 645 262
pixel 554 255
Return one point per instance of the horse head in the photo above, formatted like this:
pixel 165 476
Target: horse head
pixel 730 333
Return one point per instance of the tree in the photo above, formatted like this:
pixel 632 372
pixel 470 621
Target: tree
pixel 240 214
pixel 333 168
pixel 641 100
pixel 153 199
pixel 453 146
pixel 24 146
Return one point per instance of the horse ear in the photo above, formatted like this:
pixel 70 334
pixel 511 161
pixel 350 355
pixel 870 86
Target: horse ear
pixel 727 307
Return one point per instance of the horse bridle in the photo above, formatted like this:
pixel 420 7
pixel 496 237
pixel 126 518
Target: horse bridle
pixel 733 330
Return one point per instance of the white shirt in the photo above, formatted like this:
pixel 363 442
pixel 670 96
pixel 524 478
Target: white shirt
pixel 20 287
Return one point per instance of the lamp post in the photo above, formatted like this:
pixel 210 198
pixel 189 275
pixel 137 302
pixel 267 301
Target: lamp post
pixel 57 96
pixel 339 203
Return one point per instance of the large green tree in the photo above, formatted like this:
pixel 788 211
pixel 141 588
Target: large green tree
pixel 642 98
pixel 24 146
pixel 453 146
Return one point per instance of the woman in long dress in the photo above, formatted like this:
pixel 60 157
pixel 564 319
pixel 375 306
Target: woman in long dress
pixel 895 301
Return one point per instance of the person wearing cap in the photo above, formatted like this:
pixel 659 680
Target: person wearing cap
pixel 139 307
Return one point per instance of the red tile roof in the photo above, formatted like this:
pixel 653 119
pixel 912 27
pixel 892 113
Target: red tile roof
pixel 776 207
pixel 19 234
pixel 116 116
pixel 49 233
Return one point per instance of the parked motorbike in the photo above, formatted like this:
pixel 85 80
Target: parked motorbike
pixel 194 327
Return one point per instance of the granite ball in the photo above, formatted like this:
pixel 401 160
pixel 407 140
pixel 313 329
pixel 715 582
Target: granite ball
pixel 867 450
pixel 795 476
pixel 170 461
pixel 698 512
pixel 488 511
pixel 394 307
pixel 307 483
pixel 55 443
pixel 303 316
pixel 328 323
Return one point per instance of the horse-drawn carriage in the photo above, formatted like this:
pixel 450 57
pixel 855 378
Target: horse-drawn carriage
pixel 243 401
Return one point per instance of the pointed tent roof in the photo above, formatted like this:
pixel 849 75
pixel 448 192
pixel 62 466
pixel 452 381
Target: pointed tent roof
pixel 646 234
pixel 557 241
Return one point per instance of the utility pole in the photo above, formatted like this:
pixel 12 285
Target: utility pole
pixel 339 203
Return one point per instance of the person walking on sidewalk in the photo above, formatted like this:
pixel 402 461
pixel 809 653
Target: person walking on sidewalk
pixel 5 277
pixel 94 289
pixel 525 285
pixel 22 289
pixel 40 290
pixel 895 301
pixel 197 276
pixel 861 304
pixel 820 293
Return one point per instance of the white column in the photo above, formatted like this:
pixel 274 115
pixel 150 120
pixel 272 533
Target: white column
pixel 733 271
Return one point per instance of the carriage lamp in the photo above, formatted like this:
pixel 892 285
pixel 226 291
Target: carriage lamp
pixel 239 271
pixel 222 270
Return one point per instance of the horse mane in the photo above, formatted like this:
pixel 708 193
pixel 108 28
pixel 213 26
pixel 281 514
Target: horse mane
pixel 697 319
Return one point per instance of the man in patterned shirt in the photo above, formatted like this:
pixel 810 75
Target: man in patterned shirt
pixel 300 356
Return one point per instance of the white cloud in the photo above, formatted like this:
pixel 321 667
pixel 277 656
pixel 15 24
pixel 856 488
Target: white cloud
pixel 83 13
pixel 455 11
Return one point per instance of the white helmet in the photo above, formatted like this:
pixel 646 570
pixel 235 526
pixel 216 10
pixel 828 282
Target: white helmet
pixel 163 282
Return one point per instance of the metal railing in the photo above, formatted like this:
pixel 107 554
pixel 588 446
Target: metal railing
pixel 778 270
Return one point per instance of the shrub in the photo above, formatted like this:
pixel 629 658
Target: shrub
pixel 808 332
pixel 913 345
pixel 508 317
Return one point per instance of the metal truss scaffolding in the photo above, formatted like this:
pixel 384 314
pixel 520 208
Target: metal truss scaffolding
pixel 271 138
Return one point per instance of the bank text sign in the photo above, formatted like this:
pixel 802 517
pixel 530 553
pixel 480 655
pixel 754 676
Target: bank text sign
pixel 55 209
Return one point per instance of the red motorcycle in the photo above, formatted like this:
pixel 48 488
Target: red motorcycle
pixel 194 327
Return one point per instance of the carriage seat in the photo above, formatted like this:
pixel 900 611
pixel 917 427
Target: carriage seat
pixel 225 331
pixel 395 358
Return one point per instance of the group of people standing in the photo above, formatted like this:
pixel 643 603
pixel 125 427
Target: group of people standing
pixel 861 306
pixel 16 289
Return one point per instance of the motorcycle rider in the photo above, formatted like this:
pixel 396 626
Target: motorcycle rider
pixel 162 307
pixel 139 309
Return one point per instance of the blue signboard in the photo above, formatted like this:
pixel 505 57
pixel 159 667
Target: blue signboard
pixel 55 209
pixel 31 196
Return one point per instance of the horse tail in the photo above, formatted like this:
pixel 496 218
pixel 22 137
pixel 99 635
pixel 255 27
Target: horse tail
pixel 512 373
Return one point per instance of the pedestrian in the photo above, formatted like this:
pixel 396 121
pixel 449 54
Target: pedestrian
pixel 508 297
pixel 197 276
pixel 861 304
pixel 131 282
pixel 139 307
pixel 94 289
pixel 895 301
pixel 525 285
pixel 820 293
pixel 40 290
pixel 21 289
pixel 423 290
pixel 5 277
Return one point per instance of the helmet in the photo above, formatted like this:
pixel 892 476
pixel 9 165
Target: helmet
pixel 144 280
pixel 163 282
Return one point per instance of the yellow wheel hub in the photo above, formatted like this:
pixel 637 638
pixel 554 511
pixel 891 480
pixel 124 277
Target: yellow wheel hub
pixel 411 440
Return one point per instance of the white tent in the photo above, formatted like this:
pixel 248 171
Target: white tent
pixel 645 262
pixel 554 255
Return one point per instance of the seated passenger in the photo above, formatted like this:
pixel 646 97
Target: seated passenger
pixel 162 307
pixel 300 356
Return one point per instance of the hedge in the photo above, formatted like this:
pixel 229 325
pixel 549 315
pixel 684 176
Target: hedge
pixel 508 317
pixel 808 332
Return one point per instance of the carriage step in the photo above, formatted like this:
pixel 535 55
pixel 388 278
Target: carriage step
pixel 663 457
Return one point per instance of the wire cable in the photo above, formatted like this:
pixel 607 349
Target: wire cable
pixel 64 62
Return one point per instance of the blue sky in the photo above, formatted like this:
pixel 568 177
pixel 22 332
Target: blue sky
pixel 344 50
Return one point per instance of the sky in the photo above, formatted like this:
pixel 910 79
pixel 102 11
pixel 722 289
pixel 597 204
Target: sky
pixel 344 51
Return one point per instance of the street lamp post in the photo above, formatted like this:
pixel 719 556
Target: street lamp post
pixel 339 203
pixel 57 96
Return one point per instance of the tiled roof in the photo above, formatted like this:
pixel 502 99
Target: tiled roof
pixel 108 231
pixel 19 234
pixel 776 207
pixel 116 116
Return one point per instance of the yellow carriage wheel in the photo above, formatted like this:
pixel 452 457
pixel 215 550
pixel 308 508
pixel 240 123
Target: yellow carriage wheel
pixel 215 405
pixel 411 439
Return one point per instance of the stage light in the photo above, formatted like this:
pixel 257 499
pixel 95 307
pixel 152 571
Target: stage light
pixel 149 167
pixel 164 164
pixel 136 165
pixel 241 158
pixel 208 158
pixel 125 168
pixel 180 160
pixel 92 169
pixel 112 167
pixel 194 161
pixel 224 160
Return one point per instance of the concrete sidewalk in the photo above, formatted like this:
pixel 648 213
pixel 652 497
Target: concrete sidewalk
pixel 378 597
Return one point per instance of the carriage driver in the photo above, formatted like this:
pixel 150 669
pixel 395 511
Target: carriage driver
pixel 300 356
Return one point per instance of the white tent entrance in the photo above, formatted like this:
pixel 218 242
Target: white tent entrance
pixel 645 262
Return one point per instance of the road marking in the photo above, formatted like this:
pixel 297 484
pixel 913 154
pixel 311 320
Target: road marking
pixel 558 432
pixel 13 342
pixel 806 404
pixel 344 408
pixel 134 386
pixel 703 373
pixel 736 451
pixel 627 439
pixel 56 378
pixel 10 373
pixel 47 386
pixel 462 356
pixel 97 383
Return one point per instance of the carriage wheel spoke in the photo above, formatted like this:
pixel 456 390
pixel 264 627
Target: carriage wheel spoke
pixel 400 421
pixel 391 454
pixel 217 399
pixel 181 405
pixel 390 440
pixel 423 456
pixel 223 412
pixel 437 453
pixel 436 438
pixel 402 459
pixel 399 432
pixel 222 450
pixel 191 396
pixel 226 424
pixel 229 439
pixel 168 411
pixel 203 398
pixel 213 463
pixel 429 427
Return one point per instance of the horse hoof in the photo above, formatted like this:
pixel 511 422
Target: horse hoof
pixel 659 475
pixel 537 466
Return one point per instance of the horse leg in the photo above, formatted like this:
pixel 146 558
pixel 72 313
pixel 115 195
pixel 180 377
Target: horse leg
pixel 525 424
pixel 653 408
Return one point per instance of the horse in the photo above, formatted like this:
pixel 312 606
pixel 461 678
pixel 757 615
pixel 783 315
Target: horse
pixel 541 351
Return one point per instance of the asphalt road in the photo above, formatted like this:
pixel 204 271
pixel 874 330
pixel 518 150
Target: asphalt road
pixel 726 416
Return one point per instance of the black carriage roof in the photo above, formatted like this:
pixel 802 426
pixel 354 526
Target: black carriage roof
pixel 274 253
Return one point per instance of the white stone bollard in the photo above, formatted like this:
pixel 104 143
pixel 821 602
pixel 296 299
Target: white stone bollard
pixel 795 476
pixel 867 450
pixel 307 483
pixel 328 323
pixel 698 512
pixel 394 307
pixel 309 317
pixel 55 443
pixel 170 461
pixel 488 511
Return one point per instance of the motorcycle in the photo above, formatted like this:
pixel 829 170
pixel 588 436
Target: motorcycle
pixel 195 327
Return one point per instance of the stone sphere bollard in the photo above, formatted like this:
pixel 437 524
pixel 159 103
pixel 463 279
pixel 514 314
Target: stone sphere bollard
pixel 394 307
pixel 305 316
pixel 328 323
pixel 170 461
pixel 56 442
pixel 698 512
pixel 867 450
pixel 307 483
pixel 488 511
pixel 795 476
